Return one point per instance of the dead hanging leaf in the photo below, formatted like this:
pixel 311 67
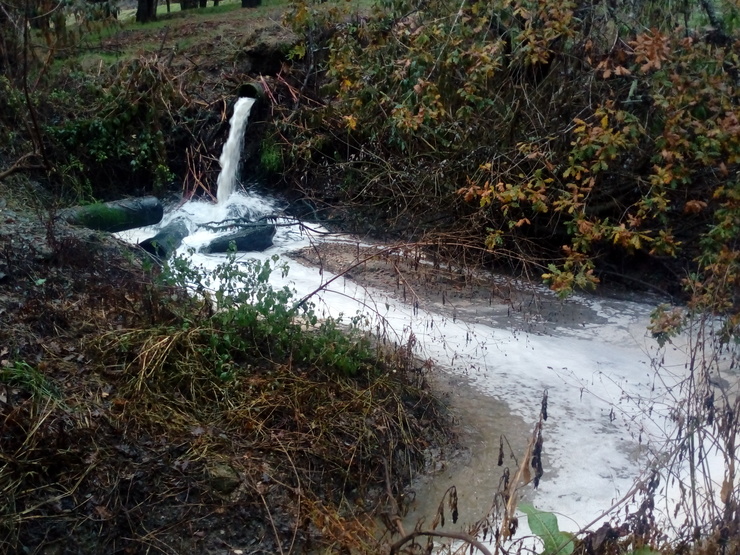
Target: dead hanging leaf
pixel 537 459
pixel 439 518
pixel 453 503
pixel 694 206
pixel 726 491
pixel 526 474
pixel 543 409
pixel 501 451
pixel 513 526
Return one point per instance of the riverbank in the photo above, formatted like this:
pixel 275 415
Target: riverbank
pixel 119 435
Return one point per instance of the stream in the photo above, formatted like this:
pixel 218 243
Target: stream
pixel 608 402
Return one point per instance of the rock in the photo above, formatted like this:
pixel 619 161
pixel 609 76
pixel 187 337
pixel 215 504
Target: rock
pixel 115 216
pixel 166 242
pixel 256 237
pixel 223 478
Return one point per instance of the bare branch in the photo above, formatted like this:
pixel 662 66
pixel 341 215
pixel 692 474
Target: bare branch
pixel 19 166
pixel 433 533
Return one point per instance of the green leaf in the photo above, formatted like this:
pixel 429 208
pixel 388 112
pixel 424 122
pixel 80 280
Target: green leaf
pixel 545 525
pixel 645 550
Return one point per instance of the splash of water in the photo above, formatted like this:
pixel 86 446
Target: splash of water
pixel 231 154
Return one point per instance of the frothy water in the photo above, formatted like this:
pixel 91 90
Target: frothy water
pixel 593 356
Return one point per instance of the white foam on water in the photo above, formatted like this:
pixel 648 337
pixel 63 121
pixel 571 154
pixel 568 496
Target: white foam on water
pixel 597 370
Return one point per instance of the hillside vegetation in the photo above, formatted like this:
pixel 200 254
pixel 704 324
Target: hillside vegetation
pixel 573 141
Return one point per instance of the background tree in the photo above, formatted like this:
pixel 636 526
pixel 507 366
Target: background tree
pixel 146 10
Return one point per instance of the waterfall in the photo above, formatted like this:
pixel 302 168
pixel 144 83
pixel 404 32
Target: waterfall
pixel 231 154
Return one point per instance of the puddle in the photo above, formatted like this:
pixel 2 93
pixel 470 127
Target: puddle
pixel 482 421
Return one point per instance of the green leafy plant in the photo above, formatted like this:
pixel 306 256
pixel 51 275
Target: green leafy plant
pixel 251 317
pixel 545 526
pixel 271 156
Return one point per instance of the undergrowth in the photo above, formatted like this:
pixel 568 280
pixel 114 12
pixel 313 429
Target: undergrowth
pixel 135 414
pixel 516 133
pixel 252 318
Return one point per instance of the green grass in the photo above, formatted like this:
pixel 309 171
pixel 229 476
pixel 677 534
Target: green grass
pixel 25 376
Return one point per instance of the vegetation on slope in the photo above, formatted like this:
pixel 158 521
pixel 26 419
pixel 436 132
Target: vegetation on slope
pixel 573 141
pixel 136 416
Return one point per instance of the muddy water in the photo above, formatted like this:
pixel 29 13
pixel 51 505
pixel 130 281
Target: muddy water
pixel 473 469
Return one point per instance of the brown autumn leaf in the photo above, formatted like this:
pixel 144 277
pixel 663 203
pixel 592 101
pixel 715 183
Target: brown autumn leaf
pixel 726 491
pixel 694 206
pixel 621 70
pixel 103 512
pixel 526 473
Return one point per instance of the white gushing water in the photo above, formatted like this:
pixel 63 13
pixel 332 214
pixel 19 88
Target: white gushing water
pixel 593 356
pixel 231 154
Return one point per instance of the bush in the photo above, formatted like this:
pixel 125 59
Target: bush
pixel 517 131
pixel 252 319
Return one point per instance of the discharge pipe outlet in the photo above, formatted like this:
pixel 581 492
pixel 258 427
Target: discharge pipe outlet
pixel 252 90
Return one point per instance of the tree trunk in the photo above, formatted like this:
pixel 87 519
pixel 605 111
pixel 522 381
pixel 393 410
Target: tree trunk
pixel 251 3
pixel 10 52
pixel 146 11
pixel 116 216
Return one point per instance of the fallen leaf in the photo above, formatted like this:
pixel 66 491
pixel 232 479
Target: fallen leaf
pixel 694 206
pixel 103 512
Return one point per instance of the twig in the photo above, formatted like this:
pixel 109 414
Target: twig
pixel 395 516
pixel 35 129
pixel 433 533
pixel 272 523
pixel 341 274
pixel 18 166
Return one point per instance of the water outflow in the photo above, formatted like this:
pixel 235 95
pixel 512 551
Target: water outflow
pixel 231 154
